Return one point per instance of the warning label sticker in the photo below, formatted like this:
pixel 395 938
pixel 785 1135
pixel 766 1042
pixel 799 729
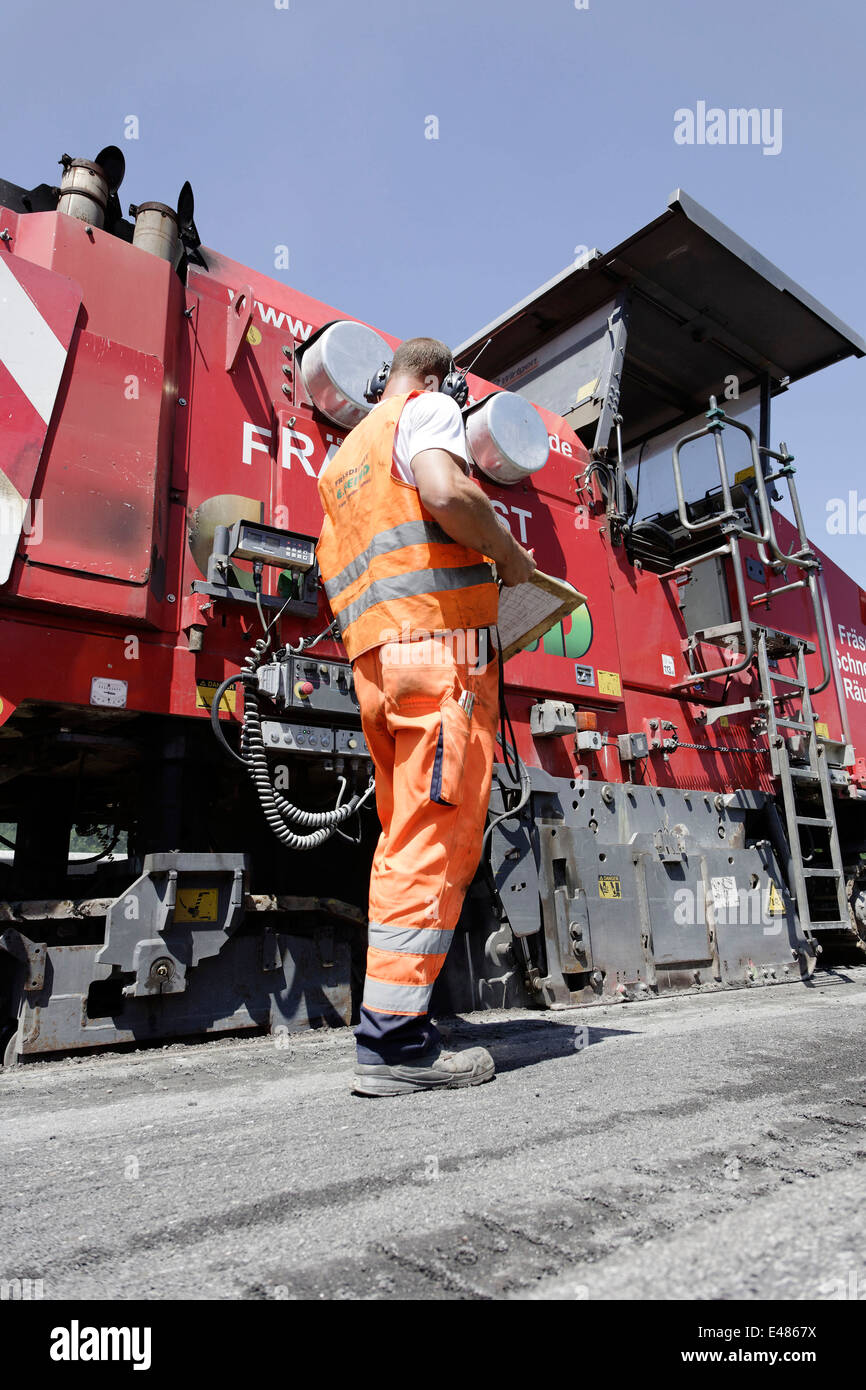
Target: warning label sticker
pixel 204 693
pixel 822 729
pixel 609 886
pixel 197 905
pixel 724 891
pixel 609 683
pixel 775 904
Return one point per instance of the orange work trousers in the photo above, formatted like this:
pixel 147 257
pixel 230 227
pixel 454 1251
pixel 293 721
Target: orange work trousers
pixel 429 710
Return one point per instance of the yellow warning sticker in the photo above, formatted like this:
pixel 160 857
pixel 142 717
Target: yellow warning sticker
pixel 609 683
pixel 775 905
pixel 724 721
pixel 254 336
pixel 822 730
pixel 204 693
pixel 609 886
pixel 743 474
pixel 197 905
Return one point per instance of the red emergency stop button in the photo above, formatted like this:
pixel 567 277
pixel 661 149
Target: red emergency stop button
pixel 303 689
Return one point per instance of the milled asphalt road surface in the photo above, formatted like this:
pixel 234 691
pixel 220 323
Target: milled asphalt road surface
pixel 706 1146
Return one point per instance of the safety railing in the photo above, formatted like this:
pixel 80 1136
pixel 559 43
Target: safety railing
pixel 761 529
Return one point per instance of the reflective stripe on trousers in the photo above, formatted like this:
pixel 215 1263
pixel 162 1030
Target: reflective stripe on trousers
pixel 433 768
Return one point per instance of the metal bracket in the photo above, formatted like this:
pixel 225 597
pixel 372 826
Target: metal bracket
pixel 182 910
pixel 668 847
pixel 240 316
pixel 745 707
pixel 31 954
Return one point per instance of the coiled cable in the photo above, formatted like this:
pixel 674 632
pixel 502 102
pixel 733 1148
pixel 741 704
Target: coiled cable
pixel 511 759
pixel 279 813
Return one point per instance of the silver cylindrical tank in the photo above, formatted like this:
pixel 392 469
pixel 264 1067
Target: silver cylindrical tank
pixel 336 367
pixel 507 438
pixel 83 192
pixel 156 231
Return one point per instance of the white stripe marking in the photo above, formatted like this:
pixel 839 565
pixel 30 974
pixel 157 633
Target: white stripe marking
pixel 29 348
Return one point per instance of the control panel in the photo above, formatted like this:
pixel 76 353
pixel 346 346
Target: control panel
pixel 327 686
pixel 303 683
pixel 271 546
pixel 351 743
pixel 297 738
pixel 283 737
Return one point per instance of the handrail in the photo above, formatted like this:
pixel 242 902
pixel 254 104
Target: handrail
pixel 731 520
pixel 733 548
pixel 717 420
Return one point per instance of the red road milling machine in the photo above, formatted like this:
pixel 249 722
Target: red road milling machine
pixel 186 807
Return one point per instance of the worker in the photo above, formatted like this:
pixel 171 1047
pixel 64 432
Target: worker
pixel 404 556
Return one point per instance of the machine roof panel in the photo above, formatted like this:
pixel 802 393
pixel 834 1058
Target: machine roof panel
pixel 704 304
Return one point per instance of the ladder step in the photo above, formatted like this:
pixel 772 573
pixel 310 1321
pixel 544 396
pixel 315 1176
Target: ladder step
pixel 805 774
pixel 813 820
pixel 820 873
pixel 789 680
pixel 794 724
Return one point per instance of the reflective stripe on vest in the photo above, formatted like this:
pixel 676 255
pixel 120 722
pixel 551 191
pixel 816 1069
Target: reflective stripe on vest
pixel 385 562
pixel 407 533
pixel 411 584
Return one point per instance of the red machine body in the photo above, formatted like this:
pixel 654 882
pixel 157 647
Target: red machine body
pixel 143 404
pixel 152 419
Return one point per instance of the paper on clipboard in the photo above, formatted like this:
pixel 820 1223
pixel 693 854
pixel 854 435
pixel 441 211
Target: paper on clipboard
pixel 527 611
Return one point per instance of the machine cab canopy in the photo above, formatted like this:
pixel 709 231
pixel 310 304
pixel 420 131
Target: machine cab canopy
pixel 653 328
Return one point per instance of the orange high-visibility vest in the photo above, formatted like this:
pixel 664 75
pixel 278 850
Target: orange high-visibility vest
pixel 389 569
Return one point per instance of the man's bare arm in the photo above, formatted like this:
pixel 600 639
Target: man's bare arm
pixel 462 509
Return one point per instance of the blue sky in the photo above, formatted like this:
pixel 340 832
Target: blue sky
pixel 306 127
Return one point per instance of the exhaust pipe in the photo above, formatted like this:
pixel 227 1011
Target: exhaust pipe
pixel 83 191
pixel 157 231
pixel 88 184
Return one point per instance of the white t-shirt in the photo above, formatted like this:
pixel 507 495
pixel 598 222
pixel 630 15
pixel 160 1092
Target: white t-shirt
pixel 428 421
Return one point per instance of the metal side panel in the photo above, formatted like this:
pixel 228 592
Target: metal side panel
pixel 268 981
pixel 645 889
pixel 680 934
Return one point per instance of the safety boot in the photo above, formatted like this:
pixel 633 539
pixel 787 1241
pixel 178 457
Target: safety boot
pixel 436 1070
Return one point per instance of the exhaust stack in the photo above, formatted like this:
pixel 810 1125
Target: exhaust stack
pixel 83 191
pixel 157 231
pixel 88 185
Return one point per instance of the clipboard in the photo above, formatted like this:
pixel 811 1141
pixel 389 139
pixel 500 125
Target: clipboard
pixel 528 610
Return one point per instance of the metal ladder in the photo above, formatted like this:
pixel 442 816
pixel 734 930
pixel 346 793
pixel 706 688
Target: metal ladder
pixel 825 913
pixel 808 768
